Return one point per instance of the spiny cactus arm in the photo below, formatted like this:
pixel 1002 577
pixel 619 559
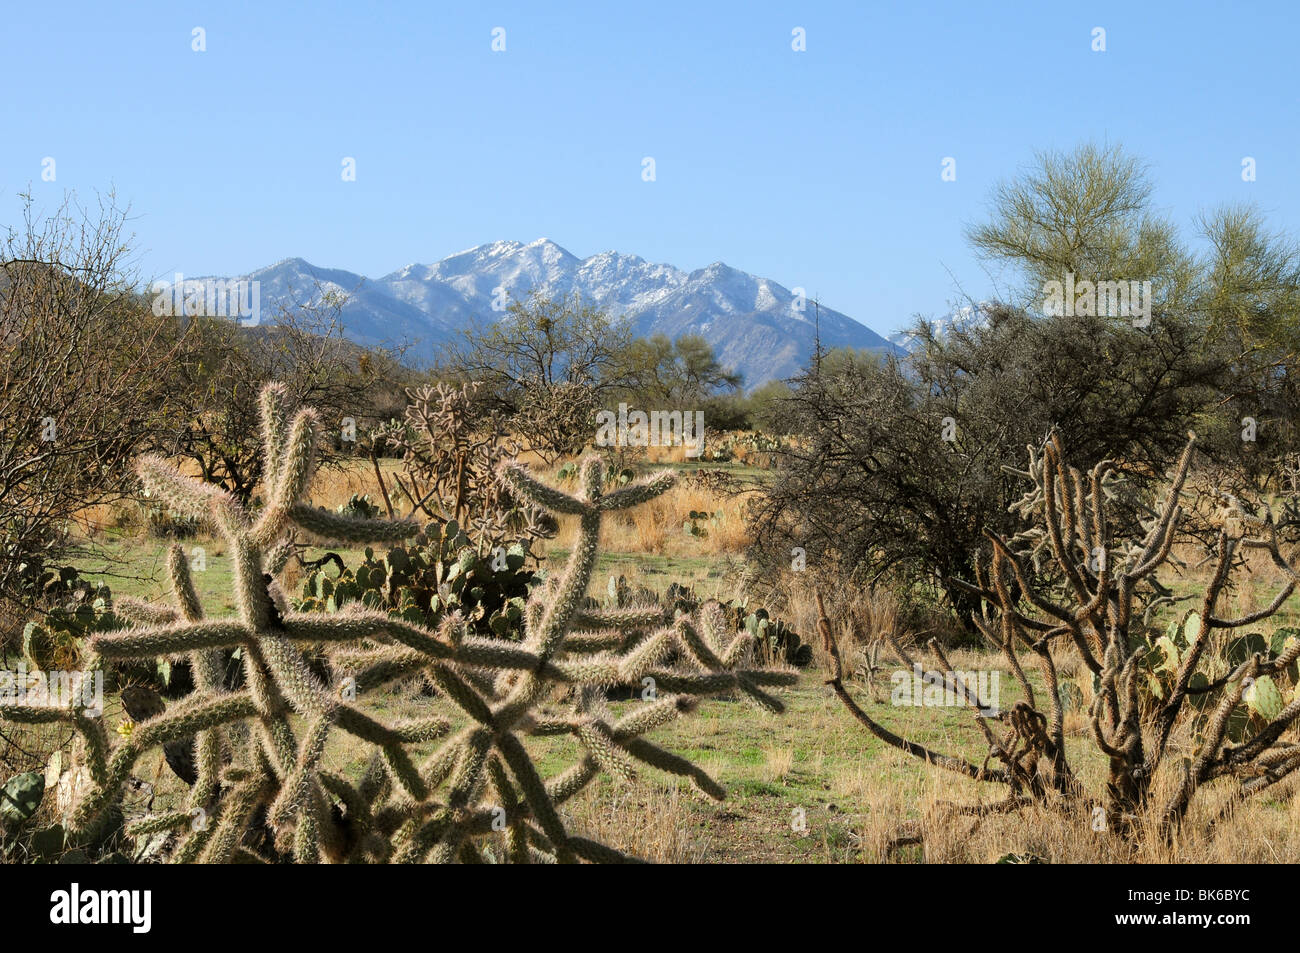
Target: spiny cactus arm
pixel 603 672
pixel 1010 631
pixel 1265 738
pixel 391 746
pixel 300 686
pixel 1163 549
pixel 657 757
pixel 157 823
pixel 191 846
pixel 310 833
pixel 194 498
pixel 376 784
pixel 622 620
pixel 591 478
pixel 34 715
pixel 979 706
pixel 421 729
pixel 1055 481
pixel 186 596
pixel 1000 597
pixel 404 772
pixel 650 715
pixel 337 528
pixel 236 811
pixel 716 683
pixel 273 414
pixel 278 556
pixel 738 649
pixel 1169 513
pixel 357 807
pixel 373 669
pixel 536 795
pixel 292 478
pixel 143 613
pixel 439 765
pixel 559 789
pixel 567 599
pixel 173 639
pixel 508 800
pixel 714 628
pixel 92 812
pixel 465 782
pixel 629 496
pixel 645 655
pixel 189 716
pixel 95 739
pixel 296 789
pixel 464 695
pixel 1270 544
pixel 572 780
pixel 206 665
pixel 523 484
pixel 991 598
pixel 496 654
pixel 1251 618
pixel 588 643
pixel 356 626
pixel 1168 712
pixel 598 740
pixel 759 697
pixel 418 837
pixel 697 648
pixel 207 749
pixel 1202 763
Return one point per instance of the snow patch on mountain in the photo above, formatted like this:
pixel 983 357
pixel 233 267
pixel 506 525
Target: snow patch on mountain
pixel 757 326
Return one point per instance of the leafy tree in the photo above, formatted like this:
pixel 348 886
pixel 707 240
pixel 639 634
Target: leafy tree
pixel 548 362
pixel 1088 213
pixel 665 373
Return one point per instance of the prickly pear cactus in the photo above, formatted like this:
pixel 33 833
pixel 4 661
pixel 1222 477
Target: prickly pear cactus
pixel 442 571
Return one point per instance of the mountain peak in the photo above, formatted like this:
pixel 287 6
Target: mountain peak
pixel 747 319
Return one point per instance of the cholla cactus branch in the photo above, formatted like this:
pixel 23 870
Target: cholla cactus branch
pixel 1092 591
pixel 261 751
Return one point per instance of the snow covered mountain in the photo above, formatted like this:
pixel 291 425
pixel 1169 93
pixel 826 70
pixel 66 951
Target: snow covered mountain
pixel 756 326
pixel 963 318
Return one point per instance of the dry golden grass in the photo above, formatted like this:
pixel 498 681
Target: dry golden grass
pixel 658 527
pixel 652 821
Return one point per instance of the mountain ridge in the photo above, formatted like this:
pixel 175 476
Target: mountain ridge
pixel 755 324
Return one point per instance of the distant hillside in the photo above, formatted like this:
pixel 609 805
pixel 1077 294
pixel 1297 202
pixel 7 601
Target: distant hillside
pixel 752 322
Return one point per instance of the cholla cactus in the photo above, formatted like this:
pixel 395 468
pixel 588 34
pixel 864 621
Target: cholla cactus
pixel 1091 609
pixel 262 790
pixel 452 443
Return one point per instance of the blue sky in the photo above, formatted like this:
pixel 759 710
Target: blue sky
pixel 818 169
